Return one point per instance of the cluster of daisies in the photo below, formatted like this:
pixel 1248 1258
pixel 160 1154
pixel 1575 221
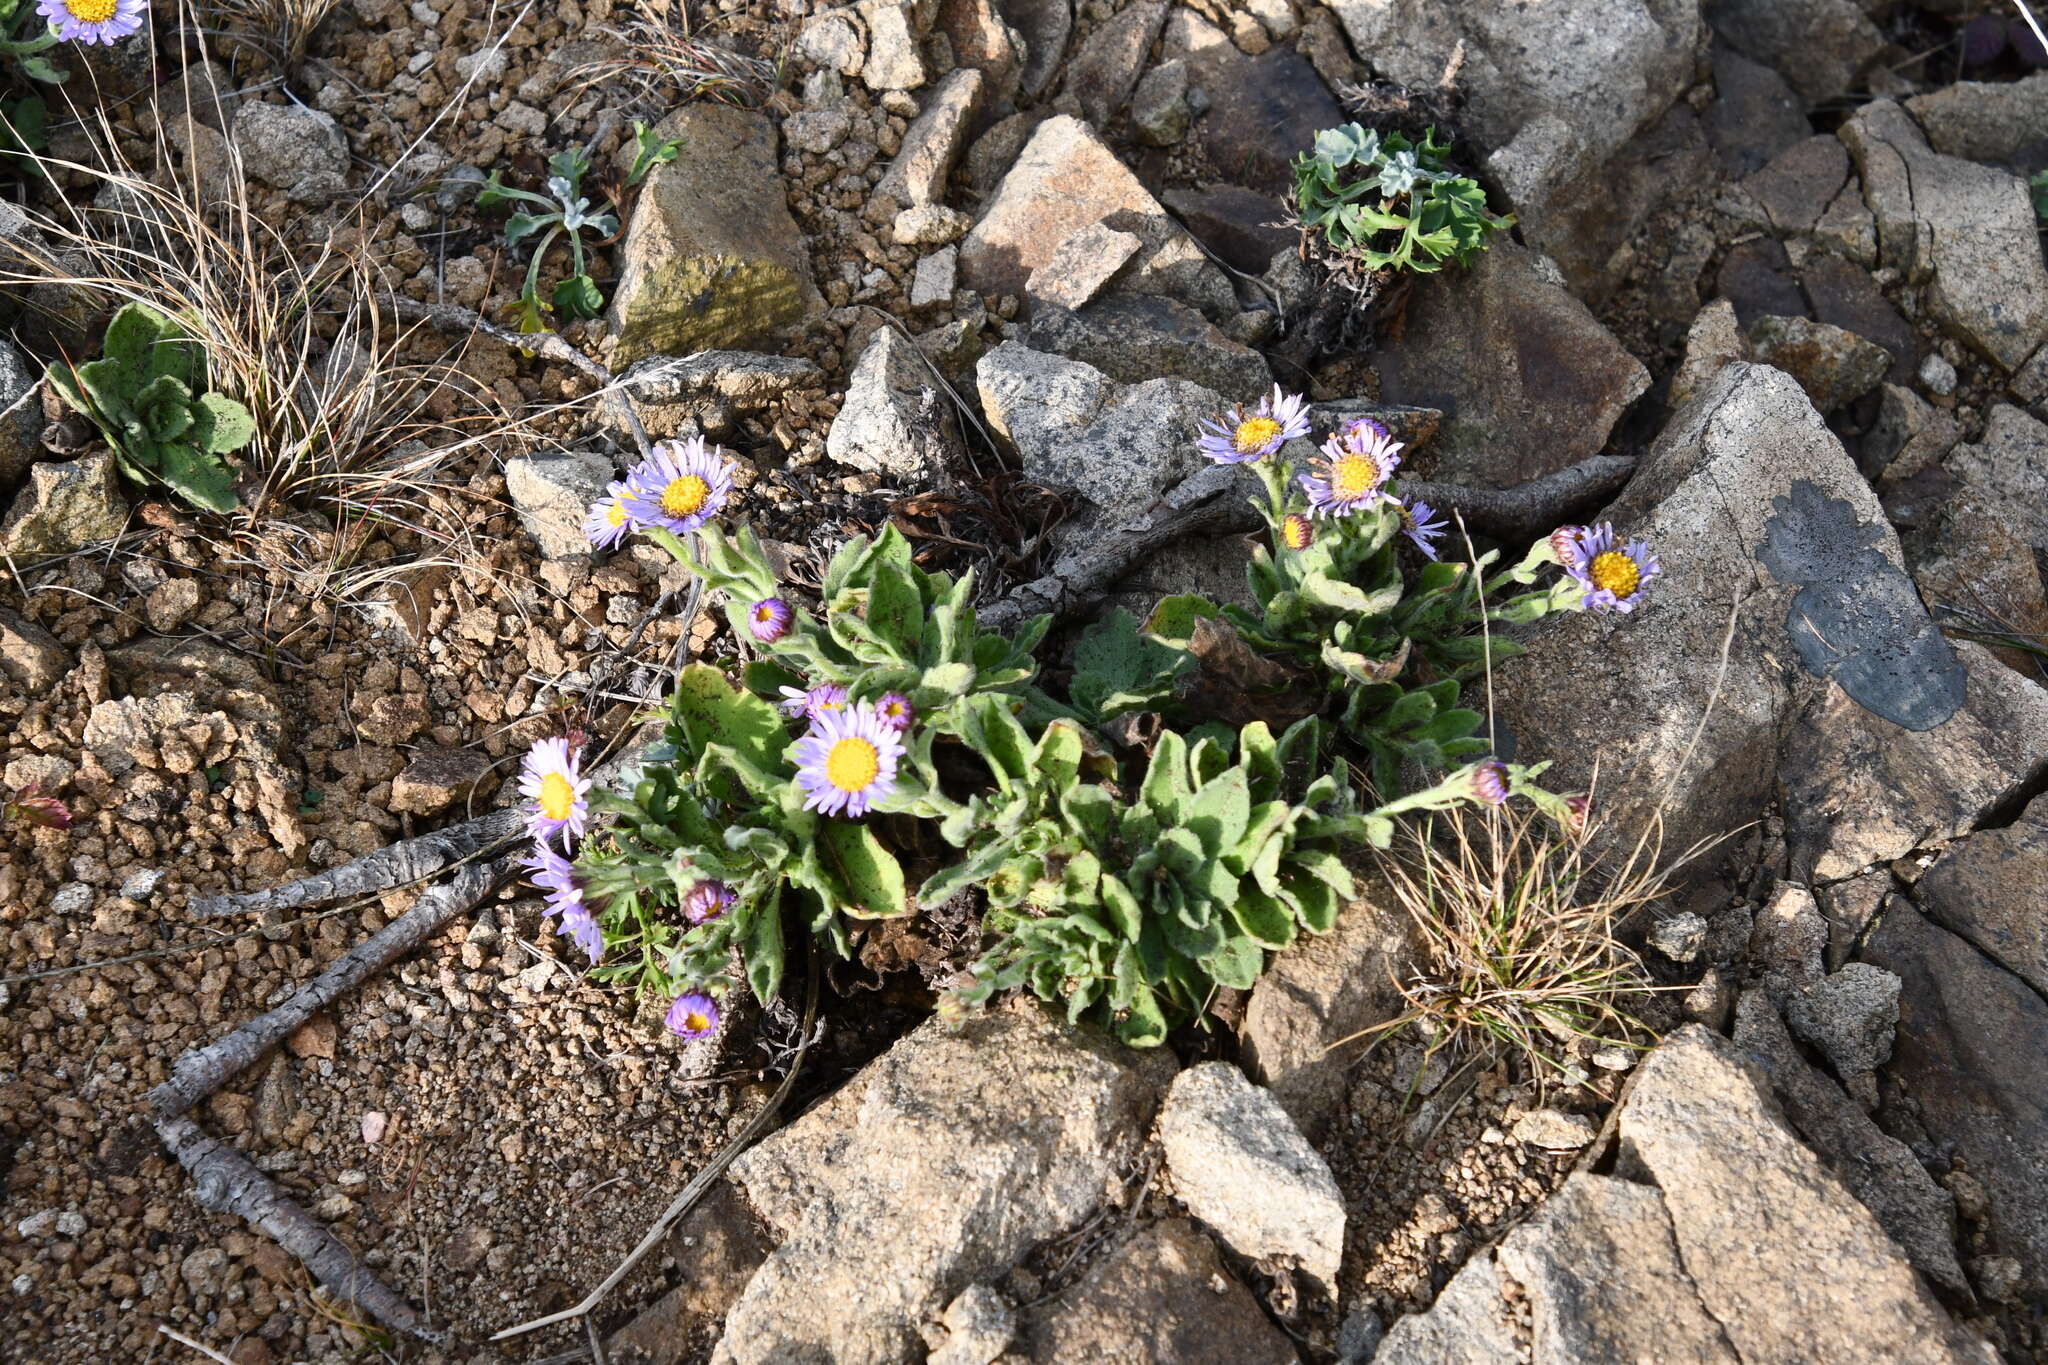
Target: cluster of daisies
pixel 94 21
pixel 1350 473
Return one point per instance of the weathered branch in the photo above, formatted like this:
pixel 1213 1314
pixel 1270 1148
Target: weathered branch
pixel 226 1182
pixel 399 864
pixel 1531 509
pixel 203 1070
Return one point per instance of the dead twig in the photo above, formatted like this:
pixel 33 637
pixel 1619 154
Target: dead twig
pixel 200 1347
pixel 399 864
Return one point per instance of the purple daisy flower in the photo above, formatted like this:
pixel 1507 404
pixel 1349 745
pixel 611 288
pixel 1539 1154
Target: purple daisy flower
pixel 848 761
pixel 1244 436
pixel 95 21
pixel 1613 577
pixel 769 619
pixel 823 700
pixel 706 900
pixel 549 778
pixel 1297 532
pixel 1490 781
pixel 1580 810
pixel 555 874
pixel 679 489
pixel 1564 543
pixel 1417 526
pixel 608 522
pixel 694 1015
pixel 896 711
pixel 1353 471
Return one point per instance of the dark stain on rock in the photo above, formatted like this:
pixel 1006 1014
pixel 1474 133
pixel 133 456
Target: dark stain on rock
pixel 1857 618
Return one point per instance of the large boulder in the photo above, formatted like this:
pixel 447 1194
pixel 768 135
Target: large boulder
pixel 1065 179
pixel 939 1166
pixel 712 257
pixel 1263 110
pixel 1821 46
pixel 1984 120
pixel 1528 379
pixel 1967 231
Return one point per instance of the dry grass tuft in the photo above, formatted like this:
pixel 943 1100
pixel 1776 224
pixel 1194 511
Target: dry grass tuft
pixel 1519 920
pixel 279 28
pixel 667 61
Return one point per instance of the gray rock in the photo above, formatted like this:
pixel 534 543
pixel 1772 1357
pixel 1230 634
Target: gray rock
pixel 1843 294
pixel 1529 380
pixel 1600 1266
pixel 1555 1130
pixel 979 1326
pixel 1161 1298
pixel 1834 366
pixel 980 39
pixel 1965 229
pixel 290 147
pixel 1262 110
pixel 1359 1337
pixel 21 415
pixel 1970 1041
pixel 1045 25
pixel 1065 179
pixel 1788 1261
pixel 835 40
pixel 932 144
pixel 2010 462
pixel 1878 1169
pixel 1848 229
pixel 1788 939
pixel 1988 889
pixel 1799 184
pixel 65 505
pixel 1754 116
pixel 1159 106
pixel 996 150
pixel 1713 340
pixel 1911 435
pixel 1821 46
pixel 1850 905
pixel 1937 374
pixel 894 61
pixel 1851 1017
pixel 745 379
pixel 930 225
pixel 1106 65
pixel 1074 427
pixel 31 655
pixel 1136 337
pixel 893 421
pixel 711 257
pixel 552 495
pixel 1241 1166
pixel 1081 266
pixel 1679 937
pixel 1470 1322
pixel 817 131
pixel 1982 120
pixel 936 278
pixel 723 1244
pixel 1242 226
pixel 939 1166
pixel 955 347
pixel 1322 991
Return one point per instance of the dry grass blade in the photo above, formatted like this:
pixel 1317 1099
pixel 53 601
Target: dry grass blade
pixel 1519 922
pixel 282 28
pixel 668 64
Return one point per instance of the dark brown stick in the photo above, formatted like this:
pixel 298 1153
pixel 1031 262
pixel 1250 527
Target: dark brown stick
pixel 1532 509
pixel 226 1182
pixel 399 864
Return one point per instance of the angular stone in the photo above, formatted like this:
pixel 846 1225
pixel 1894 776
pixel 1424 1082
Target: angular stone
pixel 817 131
pixel 1790 1263
pixel 1844 295
pixel 1081 266
pixel 1821 46
pixel 284 145
pixel 932 144
pixel 979 1326
pixel 835 40
pixel 66 505
pixel 1848 229
pixel 1323 990
pixel 939 1166
pixel 1834 366
pixel 1799 184
pixel 930 225
pixel 1712 342
pixel 1242 226
pixel 1789 939
pixel 1161 1298
pixel 1159 106
pixel 937 276
pixel 1851 1017
pixel 1984 120
pixel 1601 1269
pixel 1911 435
pixel 21 415
pixel 30 655
pixel 1240 1165
pixel 1470 1322
pixel 1136 337
pixel 723 1244
pixel 1065 179
pixel 436 779
pixel 1968 230
pixel 1850 905
pixel 552 495
pixel 892 421
pixel 2010 462
pixel 667 389
pixel 1527 378
pixel 1877 1168
pixel 1974 564
pixel 980 39
pixel 1105 67
pixel 1074 427
pixel 894 61
pixel 1971 1038
pixel 1554 1130
pixel 1757 278
pixel 1988 889
pixel 1046 25
pixel 1263 110
pixel 712 257
pixel 1754 116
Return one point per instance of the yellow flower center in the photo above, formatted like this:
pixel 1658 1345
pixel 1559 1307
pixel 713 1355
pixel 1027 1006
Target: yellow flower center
pixel 1615 572
pixel 615 515
pixel 1296 533
pixel 1353 476
pixel 91 11
pixel 852 764
pixel 557 797
pixel 696 1023
pixel 1254 433
pixel 685 496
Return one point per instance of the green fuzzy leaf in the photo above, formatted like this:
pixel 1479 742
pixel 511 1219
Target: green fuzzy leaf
pixel 764 947
pixel 1166 789
pixel 1236 964
pixel 1057 757
pixel 198 476
pixel 1117 670
pixel 220 424
pixel 867 873
pixel 992 732
pixel 709 710
pixel 578 296
pixel 131 336
pixel 1318 903
pixel 1142 1025
pixel 1265 920
pixel 1220 812
pixel 1122 907
pixel 1172 621
pixel 896 610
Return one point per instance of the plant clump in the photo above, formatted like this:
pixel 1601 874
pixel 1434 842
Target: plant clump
pixel 1371 205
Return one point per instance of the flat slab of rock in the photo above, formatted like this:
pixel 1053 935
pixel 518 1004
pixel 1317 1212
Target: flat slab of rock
pixel 1080 266
pixel 1240 1165
pixel 1833 365
pixel 1984 120
pixel 1106 66
pixel 2010 462
pixel 1967 230
pixel 1263 110
pixel 30 655
pixel 1528 380
pixel 712 257
pixel 932 144
pixel 1790 1263
pixel 1065 179
pixel 553 493
pixel 1137 337
pixel 937 1167
pixel 1988 889
pixel 1821 46
pixel 1470 1322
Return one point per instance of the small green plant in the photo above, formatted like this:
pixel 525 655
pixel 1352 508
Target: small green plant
pixel 565 210
pixel 147 393
pixel 1374 202
pixel 2037 186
